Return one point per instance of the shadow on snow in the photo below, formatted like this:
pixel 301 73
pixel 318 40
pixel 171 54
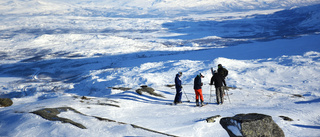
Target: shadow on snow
pixel 280 25
pixel 309 102
pixel 77 71
pixel 307 126
pixel 71 68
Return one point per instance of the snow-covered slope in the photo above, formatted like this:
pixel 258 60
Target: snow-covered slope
pixel 142 8
pixel 63 35
pixel 53 52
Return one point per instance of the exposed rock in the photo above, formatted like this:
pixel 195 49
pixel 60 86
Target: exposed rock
pixel 134 126
pixel 5 102
pixel 120 88
pixel 149 90
pixel 108 104
pixel 90 100
pixel 170 85
pixel 251 125
pixel 144 86
pixel 139 91
pixel 85 98
pixel 51 114
pixel 154 131
pixel 297 95
pixel 286 118
pixel 212 119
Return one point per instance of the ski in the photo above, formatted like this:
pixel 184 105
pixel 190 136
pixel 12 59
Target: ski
pixel 183 102
pixel 170 104
pixel 212 71
pixel 202 105
pixel 173 104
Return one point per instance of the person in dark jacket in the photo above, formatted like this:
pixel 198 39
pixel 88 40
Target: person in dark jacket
pixel 223 72
pixel 197 88
pixel 218 81
pixel 178 85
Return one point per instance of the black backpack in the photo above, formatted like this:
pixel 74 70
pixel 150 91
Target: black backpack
pixel 223 72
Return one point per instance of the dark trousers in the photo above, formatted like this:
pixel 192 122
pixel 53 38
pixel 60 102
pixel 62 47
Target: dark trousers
pixel 219 95
pixel 177 99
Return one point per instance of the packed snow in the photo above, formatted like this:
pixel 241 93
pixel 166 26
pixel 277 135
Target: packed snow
pixel 93 55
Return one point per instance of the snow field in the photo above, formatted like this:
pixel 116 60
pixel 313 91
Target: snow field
pixel 264 85
pixel 54 52
pixel 257 94
pixel 257 91
pixel 136 8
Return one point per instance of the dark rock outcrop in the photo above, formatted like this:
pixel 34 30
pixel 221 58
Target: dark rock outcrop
pixel 149 90
pixel 52 115
pixel 5 102
pixel 251 125
pixel 286 118
pixel 212 119
pixel 120 88
pixel 297 95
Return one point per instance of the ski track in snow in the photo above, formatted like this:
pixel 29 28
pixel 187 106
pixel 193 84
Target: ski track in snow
pixel 55 52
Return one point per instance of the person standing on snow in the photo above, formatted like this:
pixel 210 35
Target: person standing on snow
pixel 223 72
pixel 218 81
pixel 178 85
pixel 198 90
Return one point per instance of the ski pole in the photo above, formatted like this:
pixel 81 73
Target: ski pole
pixel 185 94
pixel 210 92
pixel 228 95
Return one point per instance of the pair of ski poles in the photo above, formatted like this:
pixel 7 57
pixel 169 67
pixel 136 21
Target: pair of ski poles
pixel 223 90
pixel 185 95
pixel 210 94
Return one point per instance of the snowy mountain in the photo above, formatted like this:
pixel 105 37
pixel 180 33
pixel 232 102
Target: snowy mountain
pixel 91 56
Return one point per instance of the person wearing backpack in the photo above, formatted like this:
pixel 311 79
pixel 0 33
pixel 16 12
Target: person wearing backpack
pixel 223 72
pixel 198 90
pixel 218 81
pixel 178 84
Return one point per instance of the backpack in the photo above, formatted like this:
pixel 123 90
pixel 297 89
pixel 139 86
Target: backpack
pixel 223 72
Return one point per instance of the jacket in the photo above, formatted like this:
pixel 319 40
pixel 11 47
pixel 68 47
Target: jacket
pixel 218 80
pixel 197 82
pixel 223 72
pixel 178 83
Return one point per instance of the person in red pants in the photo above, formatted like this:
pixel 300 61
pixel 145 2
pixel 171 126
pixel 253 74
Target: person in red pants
pixel 198 90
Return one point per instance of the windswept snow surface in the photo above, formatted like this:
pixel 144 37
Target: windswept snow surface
pixel 53 52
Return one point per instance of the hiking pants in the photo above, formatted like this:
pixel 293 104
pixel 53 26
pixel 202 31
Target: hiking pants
pixel 219 94
pixel 199 93
pixel 177 98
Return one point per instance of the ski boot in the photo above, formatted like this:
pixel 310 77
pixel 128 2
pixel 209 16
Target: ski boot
pixel 197 103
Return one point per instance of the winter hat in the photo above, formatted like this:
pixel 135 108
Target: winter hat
pixel 180 73
pixel 219 66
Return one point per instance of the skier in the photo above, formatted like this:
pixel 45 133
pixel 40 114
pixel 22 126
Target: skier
pixel 197 88
pixel 224 73
pixel 218 81
pixel 178 84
